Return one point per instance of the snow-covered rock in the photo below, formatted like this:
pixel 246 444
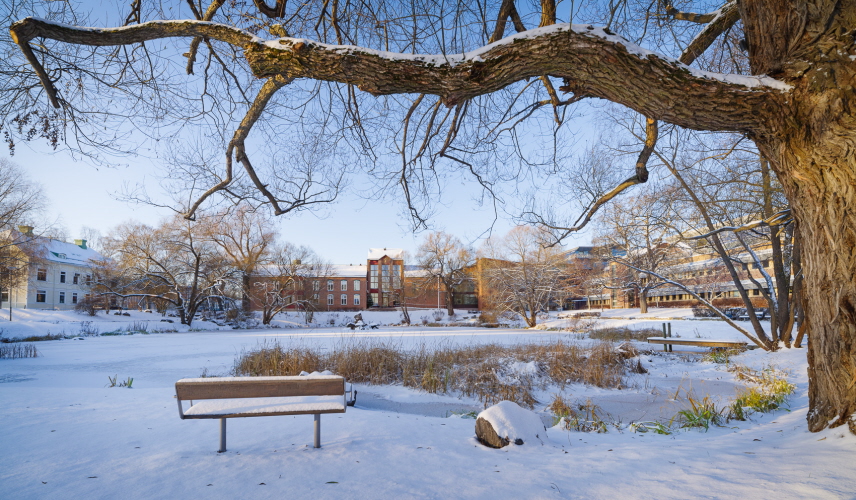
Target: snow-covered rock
pixel 506 422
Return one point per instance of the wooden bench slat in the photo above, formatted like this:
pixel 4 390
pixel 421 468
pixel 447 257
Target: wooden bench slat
pixel 263 407
pixel 258 387
pixel 696 342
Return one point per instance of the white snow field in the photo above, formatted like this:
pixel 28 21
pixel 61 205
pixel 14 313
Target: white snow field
pixel 66 435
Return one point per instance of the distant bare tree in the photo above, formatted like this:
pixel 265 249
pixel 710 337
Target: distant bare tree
pixel 244 235
pixel 21 204
pixel 523 274
pixel 290 278
pixel 444 258
pixel 634 232
pixel 174 263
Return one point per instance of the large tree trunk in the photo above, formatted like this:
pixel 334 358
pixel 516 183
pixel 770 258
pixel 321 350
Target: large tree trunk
pixel 246 304
pixel 643 301
pixel 819 177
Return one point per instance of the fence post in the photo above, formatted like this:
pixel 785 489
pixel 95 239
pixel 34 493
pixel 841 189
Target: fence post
pixel 670 336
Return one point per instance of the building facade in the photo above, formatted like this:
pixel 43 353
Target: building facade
pixel 59 275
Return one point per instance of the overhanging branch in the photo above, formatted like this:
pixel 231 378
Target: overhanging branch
pixel 594 61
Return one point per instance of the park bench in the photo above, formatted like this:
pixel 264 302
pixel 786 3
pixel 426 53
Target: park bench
pixel 670 341
pixel 232 397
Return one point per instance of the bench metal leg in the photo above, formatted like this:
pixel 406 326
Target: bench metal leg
pixel 317 430
pixel 222 436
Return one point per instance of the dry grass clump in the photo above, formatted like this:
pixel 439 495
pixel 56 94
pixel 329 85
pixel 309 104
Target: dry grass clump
pixel 489 372
pixel 581 417
pixel 271 359
pixel 13 351
pixel 616 334
pixel 771 393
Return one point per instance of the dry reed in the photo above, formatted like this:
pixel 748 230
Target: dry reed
pixel 12 351
pixel 489 372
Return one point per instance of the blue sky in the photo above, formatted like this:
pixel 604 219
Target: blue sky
pixel 79 194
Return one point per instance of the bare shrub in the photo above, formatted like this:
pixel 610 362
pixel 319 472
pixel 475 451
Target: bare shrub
pixel 86 306
pixel 487 317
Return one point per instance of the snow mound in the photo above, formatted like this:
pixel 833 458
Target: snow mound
pixel 316 374
pixel 514 423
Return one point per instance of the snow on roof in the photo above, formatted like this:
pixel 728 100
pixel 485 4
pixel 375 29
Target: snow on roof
pixel 393 253
pixel 349 271
pixel 69 253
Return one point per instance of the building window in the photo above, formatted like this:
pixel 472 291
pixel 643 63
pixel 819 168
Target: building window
pixel 373 282
pixel 356 299
pixel 87 296
pixel 343 285
pixel 74 297
pixel 75 279
pixel 42 275
pixel 315 298
pixel 62 297
pixel 316 285
pixel 329 285
pixel 396 277
pixel 356 285
pixel 41 296
pixel 374 300
pixel 62 276
pixel 88 279
pixel 329 299
pixel 344 299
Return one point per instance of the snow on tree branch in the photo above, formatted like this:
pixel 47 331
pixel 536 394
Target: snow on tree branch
pixel 592 60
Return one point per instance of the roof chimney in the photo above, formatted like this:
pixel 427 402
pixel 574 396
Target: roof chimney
pixel 26 230
pixel 80 243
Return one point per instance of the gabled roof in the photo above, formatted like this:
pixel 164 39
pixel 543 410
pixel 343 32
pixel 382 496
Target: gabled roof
pixel 392 253
pixel 68 253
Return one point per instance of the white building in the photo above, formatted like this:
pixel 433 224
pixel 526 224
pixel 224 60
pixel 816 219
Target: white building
pixel 58 279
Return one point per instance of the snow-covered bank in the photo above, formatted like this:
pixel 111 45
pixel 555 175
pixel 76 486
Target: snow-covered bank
pixel 66 435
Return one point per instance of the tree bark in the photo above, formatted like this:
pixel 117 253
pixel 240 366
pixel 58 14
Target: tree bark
pixel 820 179
pixel 643 301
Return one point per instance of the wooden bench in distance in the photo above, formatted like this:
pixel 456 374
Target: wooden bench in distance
pixel 232 397
pixel 698 342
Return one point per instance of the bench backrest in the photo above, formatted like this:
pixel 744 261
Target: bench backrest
pixel 258 387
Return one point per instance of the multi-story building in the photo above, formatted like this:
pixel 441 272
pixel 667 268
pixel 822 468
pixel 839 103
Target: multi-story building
pixel 58 274
pixel 385 276
pixel 702 272
pixel 344 289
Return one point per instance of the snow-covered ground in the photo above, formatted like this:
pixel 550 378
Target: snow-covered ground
pixel 67 435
